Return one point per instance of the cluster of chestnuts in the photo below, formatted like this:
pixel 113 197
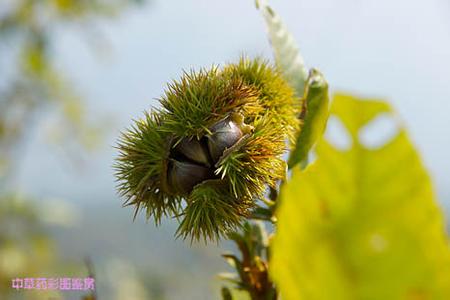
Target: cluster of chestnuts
pixel 212 149
pixel 192 161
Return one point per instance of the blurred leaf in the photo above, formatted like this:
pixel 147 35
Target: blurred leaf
pixel 312 89
pixel 34 59
pixel 231 278
pixel 261 213
pixel 226 293
pixel 286 52
pixel 252 268
pixel 237 294
pixel 25 249
pixel 33 82
pixel 232 260
pixel 315 117
pixel 361 224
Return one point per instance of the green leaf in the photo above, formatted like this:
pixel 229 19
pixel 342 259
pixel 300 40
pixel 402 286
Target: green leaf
pixel 315 117
pixel 230 277
pixel 261 213
pixel 233 261
pixel 286 52
pixel 226 293
pixel 361 223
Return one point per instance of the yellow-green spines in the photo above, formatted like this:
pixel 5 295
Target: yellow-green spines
pixel 212 210
pixel 275 95
pixel 212 148
pixel 143 152
pixel 256 161
pixel 199 99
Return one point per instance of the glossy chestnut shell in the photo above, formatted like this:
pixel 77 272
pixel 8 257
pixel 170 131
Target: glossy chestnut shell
pixel 224 135
pixel 192 161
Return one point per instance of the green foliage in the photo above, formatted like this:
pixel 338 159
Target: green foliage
pixel 225 125
pixel 27 29
pixel 361 223
pixel 25 248
pixel 312 89
pixel 252 273
pixel 286 53
pixel 315 116
pixel 31 84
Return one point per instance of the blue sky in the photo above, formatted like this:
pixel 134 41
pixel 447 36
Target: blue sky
pixel 396 50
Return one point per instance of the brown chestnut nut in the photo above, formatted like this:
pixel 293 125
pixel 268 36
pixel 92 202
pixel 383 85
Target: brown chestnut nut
pixel 224 134
pixel 193 150
pixel 183 176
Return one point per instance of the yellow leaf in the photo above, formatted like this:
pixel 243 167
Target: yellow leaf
pixel 361 223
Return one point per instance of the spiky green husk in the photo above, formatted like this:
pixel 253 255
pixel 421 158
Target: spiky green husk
pixel 255 162
pixel 143 151
pixel 190 107
pixel 274 94
pixel 200 99
pixel 212 211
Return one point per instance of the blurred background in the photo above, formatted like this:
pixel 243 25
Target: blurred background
pixel 73 73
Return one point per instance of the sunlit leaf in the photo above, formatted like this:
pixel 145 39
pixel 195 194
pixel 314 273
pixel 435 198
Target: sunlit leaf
pixel 360 223
pixel 286 52
pixel 314 119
